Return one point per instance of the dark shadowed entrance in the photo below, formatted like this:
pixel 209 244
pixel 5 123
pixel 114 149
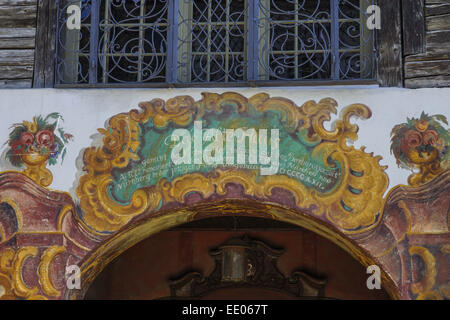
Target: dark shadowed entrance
pixel 165 261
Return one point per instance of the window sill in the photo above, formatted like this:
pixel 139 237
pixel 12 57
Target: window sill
pixel 250 84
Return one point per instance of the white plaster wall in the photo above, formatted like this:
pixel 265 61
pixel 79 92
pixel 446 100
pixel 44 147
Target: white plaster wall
pixel 85 110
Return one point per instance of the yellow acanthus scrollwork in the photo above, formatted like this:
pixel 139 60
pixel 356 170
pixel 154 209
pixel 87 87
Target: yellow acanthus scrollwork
pixel 12 285
pixel 352 206
pixel 444 289
pixel 424 287
pixel 44 270
pixel 6 268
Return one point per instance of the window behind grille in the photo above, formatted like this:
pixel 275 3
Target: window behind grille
pixel 214 41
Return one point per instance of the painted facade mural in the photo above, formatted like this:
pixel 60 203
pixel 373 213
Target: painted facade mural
pixel 36 144
pixel 422 143
pixel 134 171
pixel 180 159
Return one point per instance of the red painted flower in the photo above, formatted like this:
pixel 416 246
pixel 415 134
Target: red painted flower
pixel 411 140
pixel 17 147
pixel 430 137
pixel 26 138
pixel 45 138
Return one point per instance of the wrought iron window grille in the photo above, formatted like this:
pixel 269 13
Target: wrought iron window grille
pixel 222 42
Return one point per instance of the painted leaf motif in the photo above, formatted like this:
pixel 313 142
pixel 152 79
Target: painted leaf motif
pixel 13 158
pixel 441 118
pixel 63 155
pixel 41 123
pixel 62 134
pixel 397 128
pixel 53 115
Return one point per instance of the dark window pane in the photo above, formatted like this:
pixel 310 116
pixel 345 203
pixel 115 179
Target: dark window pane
pixel 212 41
pixel 297 40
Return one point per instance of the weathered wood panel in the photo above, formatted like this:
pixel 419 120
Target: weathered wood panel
pixel 437 47
pixel 18 2
pixel 432 67
pixel 438 42
pixel 17 32
pixel 413 26
pixel 427 57
pixel 428 82
pixel 41 39
pixel 51 46
pixel 427 68
pixel 16 72
pixel 16 57
pixel 44 67
pixel 16 68
pixel 437 9
pixel 17 38
pixel 17 42
pixel 17 16
pixel 438 23
pixel 11 83
pixel 45 45
pixel 430 2
pixel 389 42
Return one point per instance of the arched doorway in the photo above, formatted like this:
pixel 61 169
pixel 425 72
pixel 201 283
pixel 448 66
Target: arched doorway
pixel 155 267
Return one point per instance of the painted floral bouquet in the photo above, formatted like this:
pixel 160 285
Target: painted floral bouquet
pixel 421 141
pixel 38 138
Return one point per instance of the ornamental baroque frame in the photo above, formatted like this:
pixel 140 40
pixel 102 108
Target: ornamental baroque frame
pixel 383 231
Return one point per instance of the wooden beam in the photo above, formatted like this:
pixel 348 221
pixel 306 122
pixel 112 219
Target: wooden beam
pixel 437 9
pixel 389 44
pixel 427 2
pixel 15 83
pixel 428 82
pixel 44 65
pixel 428 57
pixel 41 37
pixel 432 68
pixel 16 57
pixel 16 72
pixel 413 26
pixel 17 38
pixel 427 68
pixel 18 2
pixel 17 42
pixel 50 46
pixel 438 42
pixel 438 23
pixel 17 16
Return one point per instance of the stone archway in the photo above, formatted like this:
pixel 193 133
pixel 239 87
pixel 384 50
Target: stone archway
pixel 131 189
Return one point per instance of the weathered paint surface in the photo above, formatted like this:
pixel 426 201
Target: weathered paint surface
pixel 87 110
pixel 90 220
